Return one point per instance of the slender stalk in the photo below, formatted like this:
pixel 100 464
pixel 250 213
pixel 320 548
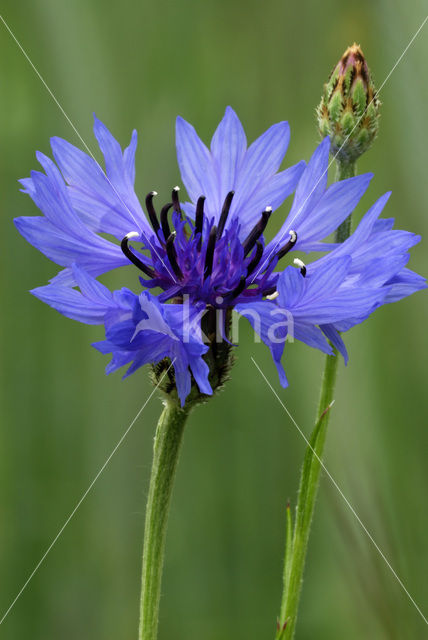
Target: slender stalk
pixel 298 537
pixel 166 451
pixel 308 489
pixel 344 170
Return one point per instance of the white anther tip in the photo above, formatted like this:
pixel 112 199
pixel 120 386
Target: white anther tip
pixel 299 263
pixel 154 193
pixel 293 235
pixel 132 234
pixel 176 188
pixel 268 209
pixel 273 296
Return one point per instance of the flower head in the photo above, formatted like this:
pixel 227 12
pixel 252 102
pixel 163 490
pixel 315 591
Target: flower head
pixel 204 257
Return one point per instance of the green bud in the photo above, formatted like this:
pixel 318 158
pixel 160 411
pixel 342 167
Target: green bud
pixel 349 109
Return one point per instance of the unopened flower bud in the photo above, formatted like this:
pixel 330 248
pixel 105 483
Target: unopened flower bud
pixel 349 109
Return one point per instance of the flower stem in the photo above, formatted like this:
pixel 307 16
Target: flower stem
pixel 166 451
pixel 298 536
pixel 344 170
pixel 308 488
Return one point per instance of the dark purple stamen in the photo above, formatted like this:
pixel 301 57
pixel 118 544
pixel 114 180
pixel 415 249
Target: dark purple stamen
pixel 269 292
pixel 151 211
pixel 176 200
pixel 179 249
pixel 133 258
pixel 172 255
pixel 303 271
pixel 256 232
pixel 240 288
pixel 199 216
pixel 256 258
pixel 209 256
pixel 288 246
pixel 224 213
pixel 164 220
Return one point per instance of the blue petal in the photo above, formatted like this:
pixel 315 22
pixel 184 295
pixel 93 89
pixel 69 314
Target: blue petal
pixel 183 380
pixel 147 331
pixel 72 303
pixel 313 225
pixel 95 254
pixel 88 186
pixel 323 296
pixel 129 158
pixel 112 153
pixel 261 162
pixel 309 190
pixel 404 284
pixel 333 208
pixel 348 303
pixel 335 339
pixel 314 179
pixel 120 173
pixel 376 272
pixel 312 336
pixel 51 198
pixel 385 224
pixel 154 317
pixel 91 288
pixel 28 185
pixel 291 287
pixel 250 173
pixel 228 147
pixel 272 325
pixel 313 182
pixel 197 171
pixel 61 235
pixel 362 232
pixel 104 201
pixel 321 283
pixel 272 193
pixel 201 371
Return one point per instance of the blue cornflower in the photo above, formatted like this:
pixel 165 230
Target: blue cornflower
pixel 205 257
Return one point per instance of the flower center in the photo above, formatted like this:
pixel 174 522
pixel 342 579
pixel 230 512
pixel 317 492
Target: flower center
pixel 205 260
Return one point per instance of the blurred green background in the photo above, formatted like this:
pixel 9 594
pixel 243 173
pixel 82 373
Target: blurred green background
pixel 139 65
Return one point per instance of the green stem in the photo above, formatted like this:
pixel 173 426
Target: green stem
pixel 166 451
pixel 308 489
pixel 344 170
pixel 298 537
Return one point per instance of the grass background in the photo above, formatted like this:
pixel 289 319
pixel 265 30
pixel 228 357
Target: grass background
pixel 139 65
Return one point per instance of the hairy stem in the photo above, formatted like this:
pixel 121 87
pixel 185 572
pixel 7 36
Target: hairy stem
pixel 166 451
